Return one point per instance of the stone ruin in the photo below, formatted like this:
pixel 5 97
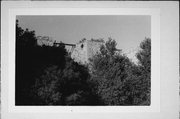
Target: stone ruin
pixel 86 49
pixel 81 52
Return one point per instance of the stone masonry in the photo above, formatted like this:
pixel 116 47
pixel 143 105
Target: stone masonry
pixel 86 49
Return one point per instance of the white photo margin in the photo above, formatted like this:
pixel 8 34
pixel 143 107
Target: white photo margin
pixel 155 59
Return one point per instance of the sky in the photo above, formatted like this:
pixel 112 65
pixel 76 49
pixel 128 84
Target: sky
pixel 128 30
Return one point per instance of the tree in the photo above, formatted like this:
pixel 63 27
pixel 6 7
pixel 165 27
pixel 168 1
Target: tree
pixel 68 86
pixel 110 71
pixel 144 58
pixel 118 80
pixel 144 55
pixel 31 60
pixel 25 37
pixel 139 80
pixel 25 44
pixel 46 75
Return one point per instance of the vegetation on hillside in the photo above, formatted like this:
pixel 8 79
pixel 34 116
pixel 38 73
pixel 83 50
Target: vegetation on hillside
pixel 47 75
pixel 119 81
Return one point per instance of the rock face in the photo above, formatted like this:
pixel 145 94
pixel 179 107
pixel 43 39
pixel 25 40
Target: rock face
pixel 85 50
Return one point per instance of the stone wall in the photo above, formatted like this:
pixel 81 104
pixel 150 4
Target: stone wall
pixel 79 53
pixel 85 50
pixel 93 48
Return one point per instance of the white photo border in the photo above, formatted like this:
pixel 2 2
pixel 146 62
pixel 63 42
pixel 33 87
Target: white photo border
pixel 155 62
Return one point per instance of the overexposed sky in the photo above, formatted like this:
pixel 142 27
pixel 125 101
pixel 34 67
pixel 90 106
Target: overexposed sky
pixel 127 30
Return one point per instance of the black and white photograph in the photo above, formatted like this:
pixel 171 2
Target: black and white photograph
pixel 89 59
pixel 83 60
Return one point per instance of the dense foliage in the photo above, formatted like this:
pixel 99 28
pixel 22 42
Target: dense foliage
pixel 67 86
pixel 119 81
pixel 31 60
pixel 46 75
pixel 144 58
